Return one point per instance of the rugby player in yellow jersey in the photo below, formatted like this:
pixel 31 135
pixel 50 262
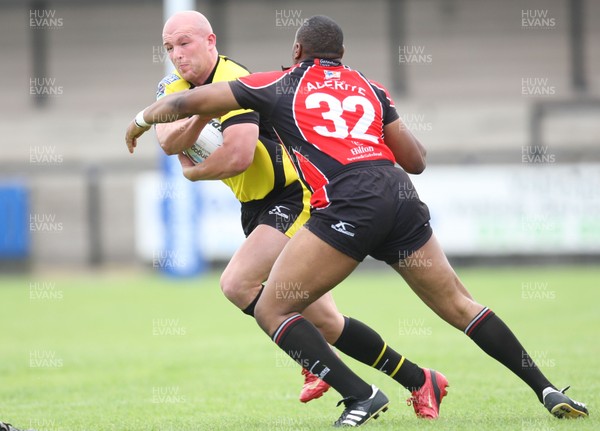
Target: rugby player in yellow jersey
pixel 260 174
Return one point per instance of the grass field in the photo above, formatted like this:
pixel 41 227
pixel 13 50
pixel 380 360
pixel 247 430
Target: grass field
pixel 141 352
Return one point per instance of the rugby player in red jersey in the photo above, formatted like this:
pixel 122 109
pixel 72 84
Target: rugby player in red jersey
pixel 274 205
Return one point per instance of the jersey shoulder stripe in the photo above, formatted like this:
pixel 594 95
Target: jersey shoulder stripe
pixel 304 73
pixel 374 92
pixel 384 90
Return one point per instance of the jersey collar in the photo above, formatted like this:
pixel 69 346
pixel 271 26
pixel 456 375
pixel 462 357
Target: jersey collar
pixel 324 62
pixel 327 62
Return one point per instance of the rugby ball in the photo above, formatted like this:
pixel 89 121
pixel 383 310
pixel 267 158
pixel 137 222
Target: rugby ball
pixel 211 138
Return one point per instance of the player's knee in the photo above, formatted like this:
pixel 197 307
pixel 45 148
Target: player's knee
pixel 231 286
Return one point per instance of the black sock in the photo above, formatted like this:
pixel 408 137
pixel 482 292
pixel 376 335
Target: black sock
pixel 305 344
pixel 249 310
pixel 492 335
pixel 365 345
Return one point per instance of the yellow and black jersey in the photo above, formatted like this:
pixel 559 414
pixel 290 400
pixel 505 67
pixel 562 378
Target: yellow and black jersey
pixel 271 170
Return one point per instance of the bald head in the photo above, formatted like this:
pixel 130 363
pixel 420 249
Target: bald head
pixel 191 45
pixel 190 19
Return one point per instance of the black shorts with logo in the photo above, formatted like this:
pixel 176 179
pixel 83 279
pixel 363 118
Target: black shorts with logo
pixel 285 211
pixel 374 210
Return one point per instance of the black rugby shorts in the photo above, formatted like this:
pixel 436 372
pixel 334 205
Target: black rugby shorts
pixel 286 210
pixel 374 210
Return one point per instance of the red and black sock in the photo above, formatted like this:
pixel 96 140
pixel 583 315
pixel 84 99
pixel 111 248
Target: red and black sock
pixel 362 343
pixel 492 335
pixel 305 344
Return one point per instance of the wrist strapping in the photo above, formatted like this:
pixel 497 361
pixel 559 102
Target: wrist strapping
pixel 139 120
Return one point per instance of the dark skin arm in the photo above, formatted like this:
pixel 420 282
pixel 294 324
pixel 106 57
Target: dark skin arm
pixel 407 150
pixel 215 99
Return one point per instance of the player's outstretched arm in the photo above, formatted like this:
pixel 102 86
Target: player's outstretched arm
pixel 407 150
pixel 208 100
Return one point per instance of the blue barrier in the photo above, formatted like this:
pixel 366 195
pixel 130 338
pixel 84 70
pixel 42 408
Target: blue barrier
pixel 182 255
pixel 15 241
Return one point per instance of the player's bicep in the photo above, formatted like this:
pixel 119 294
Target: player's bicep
pixel 243 137
pixel 407 150
pixel 239 140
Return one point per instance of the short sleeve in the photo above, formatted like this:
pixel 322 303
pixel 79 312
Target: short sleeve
pixel 245 116
pixel 257 91
pixel 239 116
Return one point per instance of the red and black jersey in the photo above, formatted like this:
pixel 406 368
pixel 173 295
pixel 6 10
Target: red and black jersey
pixel 327 115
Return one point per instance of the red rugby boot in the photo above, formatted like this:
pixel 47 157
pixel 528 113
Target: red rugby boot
pixel 426 401
pixel 313 387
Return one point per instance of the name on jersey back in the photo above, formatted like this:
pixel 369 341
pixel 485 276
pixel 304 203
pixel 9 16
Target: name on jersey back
pixel 335 85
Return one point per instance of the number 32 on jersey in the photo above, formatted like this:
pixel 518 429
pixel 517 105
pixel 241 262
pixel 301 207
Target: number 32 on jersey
pixel 350 118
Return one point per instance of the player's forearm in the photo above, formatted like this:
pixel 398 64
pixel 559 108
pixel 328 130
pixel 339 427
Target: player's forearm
pixel 181 135
pixel 165 110
pixel 219 166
